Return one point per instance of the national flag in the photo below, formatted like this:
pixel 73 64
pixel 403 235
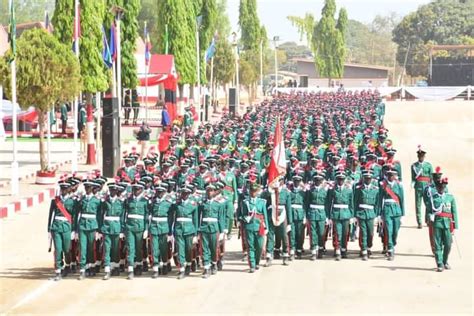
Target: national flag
pixel 147 46
pixel 77 26
pixel 211 50
pixel 12 30
pixel 277 165
pixel 113 42
pixel 106 50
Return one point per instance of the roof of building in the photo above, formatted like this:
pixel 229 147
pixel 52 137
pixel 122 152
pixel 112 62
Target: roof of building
pixel 309 60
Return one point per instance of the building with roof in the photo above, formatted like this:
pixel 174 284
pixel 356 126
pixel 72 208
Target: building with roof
pixel 355 75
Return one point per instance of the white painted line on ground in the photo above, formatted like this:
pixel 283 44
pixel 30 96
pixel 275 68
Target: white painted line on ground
pixel 32 295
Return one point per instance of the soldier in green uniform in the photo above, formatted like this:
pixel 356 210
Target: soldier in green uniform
pixel 87 226
pixel 420 178
pixel 160 230
pixel 60 223
pixel 136 228
pixel 279 223
pixel 188 120
pixel 112 227
pixel 341 212
pixel 427 193
pixel 444 216
pixel 211 226
pixel 298 204
pixel 317 213
pixel 230 193
pixel 254 219
pixel 185 227
pixel 391 196
pixel 366 206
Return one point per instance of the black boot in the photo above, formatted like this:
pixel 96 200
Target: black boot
pixel 193 266
pixel 298 254
pixel 285 261
pixel 139 270
pixel 187 270
pixel 344 255
pixel 82 275
pixel 313 257
pixel 213 268
pixel 122 268
pixel 145 266
pixel 269 262
pixel 206 274
pixel 73 268
pixel 276 254
pixel 155 274
pixel 97 269
pixel 57 277
pixel 219 265
pixel 181 275
pixel 66 272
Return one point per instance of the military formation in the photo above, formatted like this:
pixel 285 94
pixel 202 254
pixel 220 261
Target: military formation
pixel 176 209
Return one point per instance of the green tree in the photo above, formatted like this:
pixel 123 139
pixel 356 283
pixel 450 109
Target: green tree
pixel 129 29
pixel 206 32
pixel 328 42
pixel 438 22
pixel 304 25
pixel 47 73
pixel 63 20
pixel 26 10
pixel 148 13
pixel 249 25
pixel 181 21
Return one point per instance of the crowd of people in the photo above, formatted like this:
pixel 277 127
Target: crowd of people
pixel 182 203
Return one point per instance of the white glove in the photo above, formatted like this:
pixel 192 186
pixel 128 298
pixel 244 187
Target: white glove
pixel 226 231
pixel 378 220
pixel 248 218
pixel 266 232
pixel 235 206
pixel 288 228
pixel 121 235
pixel 304 221
pixel 221 236
pixel 73 235
pixel 432 217
pixel 195 240
pixel 328 221
pixel 50 236
pixel 145 234
pixel 169 238
pixel 352 220
pixel 97 235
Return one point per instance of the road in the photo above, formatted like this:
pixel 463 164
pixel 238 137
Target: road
pixel 409 284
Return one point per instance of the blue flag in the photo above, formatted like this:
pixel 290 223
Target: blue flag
pixel 106 56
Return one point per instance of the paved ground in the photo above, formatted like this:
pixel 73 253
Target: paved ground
pixel 407 285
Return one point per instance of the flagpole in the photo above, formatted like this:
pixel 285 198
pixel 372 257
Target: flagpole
pixel 75 109
pixel 49 139
pixel 212 81
pixel 146 75
pixel 198 69
pixel 14 173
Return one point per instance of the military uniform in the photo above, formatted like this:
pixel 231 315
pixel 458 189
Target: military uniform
pixel 254 219
pixel 420 178
pixel 392 209
pixel 136 227
pixel 444 218
pixel 341 211
pixel 60 225
pixel 366 206
pixel 87 225
pixel 185 226
pixel 299 218
pixel 317 212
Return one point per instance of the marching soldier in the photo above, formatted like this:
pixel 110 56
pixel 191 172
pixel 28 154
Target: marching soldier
pixel 421 172
pixel 185 227
pixel 254 219
pixel 136 227
pixel 160 231
pixel 317 214
pixel 299 216
pixel 444 218
pixel 366 205
pixel 60 223
pixel 112 228
pixel 427 193
pixel 391 195
pixel 212 223
pixel 280 222
pixel 87 226
pixel 341 213
pixel 230 193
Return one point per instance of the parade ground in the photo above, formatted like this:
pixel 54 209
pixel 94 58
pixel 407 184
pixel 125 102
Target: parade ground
pixel 409 284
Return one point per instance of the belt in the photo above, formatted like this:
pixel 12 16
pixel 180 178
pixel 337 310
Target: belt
pixel 60 218
pixel 111 218
pixel 389 201
pixel 296 206
pixel 88 215
pixel 209 219
pixel 159 219
pixel 315 206
pixel 423 179
pixel 341 206
pixel 366 206
pixel 136 216
pixel 281 207
pixel 228 188
pixel 443 214
pixel 183 219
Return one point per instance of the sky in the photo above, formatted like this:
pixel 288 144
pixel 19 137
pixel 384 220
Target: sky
pixel 273 13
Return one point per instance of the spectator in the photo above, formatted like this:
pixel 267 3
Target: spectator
pixel 135 106
pixel 143 137
pixel 127 106
pixel 63 118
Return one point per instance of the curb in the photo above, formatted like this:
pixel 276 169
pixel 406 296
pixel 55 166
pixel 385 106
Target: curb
pixel 32 175
pixel 24 203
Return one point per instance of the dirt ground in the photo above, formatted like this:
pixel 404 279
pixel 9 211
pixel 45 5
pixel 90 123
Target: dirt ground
pixel 409 284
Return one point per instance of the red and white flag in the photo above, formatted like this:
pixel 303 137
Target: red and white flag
pixel 277 165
